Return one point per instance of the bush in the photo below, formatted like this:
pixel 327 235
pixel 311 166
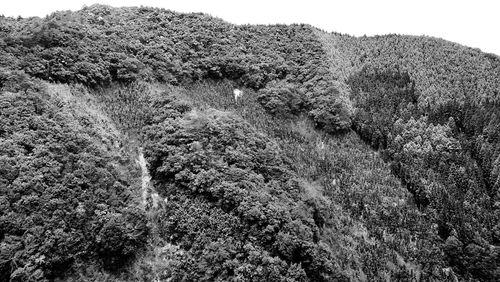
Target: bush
pixel 281 99
pixel 330 112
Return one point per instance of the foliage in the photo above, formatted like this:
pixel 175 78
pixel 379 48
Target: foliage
pixel 329 112
pixel 259 189
pixel 62 197
pixel 341 214
pixel 231 201
pixel 426 103
pixel 99 45
pixel 281 99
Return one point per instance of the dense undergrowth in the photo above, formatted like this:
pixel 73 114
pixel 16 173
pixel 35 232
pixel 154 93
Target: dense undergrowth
pixel 99 44
pixel 65 197
pixel 277 186
pixel 361 212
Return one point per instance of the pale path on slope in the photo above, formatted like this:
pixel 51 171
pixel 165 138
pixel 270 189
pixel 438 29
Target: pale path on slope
pixel 146 182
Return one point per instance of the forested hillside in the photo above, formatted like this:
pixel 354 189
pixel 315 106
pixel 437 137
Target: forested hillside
pixel 431 107
pixel 66 194
pixel 346 159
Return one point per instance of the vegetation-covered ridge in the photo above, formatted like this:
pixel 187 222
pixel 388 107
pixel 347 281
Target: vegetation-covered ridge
pixel 276 186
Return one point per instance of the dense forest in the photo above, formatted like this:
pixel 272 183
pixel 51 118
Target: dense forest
pixel 346 158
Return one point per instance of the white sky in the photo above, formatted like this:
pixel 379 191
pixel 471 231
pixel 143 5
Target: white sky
pixel 472 23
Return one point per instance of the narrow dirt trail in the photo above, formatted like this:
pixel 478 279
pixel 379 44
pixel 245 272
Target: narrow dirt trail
pixel 145 177
pixel 149 196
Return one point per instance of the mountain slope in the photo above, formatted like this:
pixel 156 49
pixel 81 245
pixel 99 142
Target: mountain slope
pixel 67 194
pixel 345 159
pixel 430 106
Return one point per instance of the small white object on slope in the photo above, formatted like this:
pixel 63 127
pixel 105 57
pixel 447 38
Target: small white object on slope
pixel 237 93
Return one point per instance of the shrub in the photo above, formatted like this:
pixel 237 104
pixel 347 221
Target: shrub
pixel 330 112
pixel 281 99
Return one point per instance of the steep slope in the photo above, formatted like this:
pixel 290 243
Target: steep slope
pixel 430 106
pixel 66 193
pixel 99 44
pixel 361 212
pixel 278 185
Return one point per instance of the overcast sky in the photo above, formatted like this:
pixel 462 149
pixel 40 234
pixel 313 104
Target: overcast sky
pixel 472 23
